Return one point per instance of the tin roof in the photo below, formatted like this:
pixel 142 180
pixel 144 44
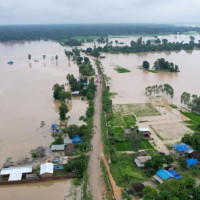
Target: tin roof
pixel 181 147
pixel 15 177
pixel 16 170
pixel 58 147
pixel 164 174
pixel 144 129
pixel 46 168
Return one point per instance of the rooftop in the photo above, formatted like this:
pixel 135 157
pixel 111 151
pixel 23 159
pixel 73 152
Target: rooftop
pixel 46 168
pixel 175 174
pixel 181 147
pixel 143 129
pixel 138 187
pixel 15 177
pixel 16 170
pixel 191 162
pixel 164 174
pixel 58 147
pixel 143 159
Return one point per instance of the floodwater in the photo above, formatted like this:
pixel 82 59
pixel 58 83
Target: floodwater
pixel 26 100
pixel 52 190
pixel 130 87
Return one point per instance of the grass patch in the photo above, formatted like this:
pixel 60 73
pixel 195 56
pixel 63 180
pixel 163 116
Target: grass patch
pixel 129 120
pixel 143 121
pixel 146 145
pixel 124 170
pixel 194 121
pixel 121 69
pixel 117 120
pixel 173 106
pixel 139 110
pixel 153 71
pixel 123 146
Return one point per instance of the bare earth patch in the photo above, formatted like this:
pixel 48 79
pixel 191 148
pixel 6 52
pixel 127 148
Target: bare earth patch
pixel 139 109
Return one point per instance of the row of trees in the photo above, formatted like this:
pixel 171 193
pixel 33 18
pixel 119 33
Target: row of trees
pixel 148 46
pixel 191 101
pixel 160 90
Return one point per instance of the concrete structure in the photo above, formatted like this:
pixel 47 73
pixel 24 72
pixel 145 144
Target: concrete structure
pixel 146 132
pixel 15 173
pixel 181 150
pixel 57 147
pixel 141 160
pixel 46 169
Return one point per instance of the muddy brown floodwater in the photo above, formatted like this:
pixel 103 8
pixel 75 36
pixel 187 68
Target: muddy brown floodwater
pixel 26 100
pixel 130 87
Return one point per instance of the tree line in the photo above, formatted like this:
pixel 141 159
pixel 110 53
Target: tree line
pixel 67 31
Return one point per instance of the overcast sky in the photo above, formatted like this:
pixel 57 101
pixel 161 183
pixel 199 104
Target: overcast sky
pixel 99 11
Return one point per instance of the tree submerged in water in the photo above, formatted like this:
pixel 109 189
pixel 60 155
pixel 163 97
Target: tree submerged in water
pixel 160 90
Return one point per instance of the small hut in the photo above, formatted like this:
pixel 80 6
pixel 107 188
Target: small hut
pixel 46 169
pixel 77 140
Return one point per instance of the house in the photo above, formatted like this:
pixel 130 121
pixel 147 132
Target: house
pixel 142 153
pixel 137 188
pixel 191 162
pixel 15 173
pixel 141 160
pixel 146 132
pixel 194 154
pixel 175 174
pixel 181 150
pixel 31 176
pixel 77 140
pixel 58 147
pixel 69 149
pixel 162 175
pixel 75 93
pixel 59 167
pixel 46 169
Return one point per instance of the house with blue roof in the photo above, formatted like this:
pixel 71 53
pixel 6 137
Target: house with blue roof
pixel 181 150
pixel 191 162
pixel 162 175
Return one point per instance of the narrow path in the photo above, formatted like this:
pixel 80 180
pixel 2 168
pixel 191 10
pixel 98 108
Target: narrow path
pixel 94 169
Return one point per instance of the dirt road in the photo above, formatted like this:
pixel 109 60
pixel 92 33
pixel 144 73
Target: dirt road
pixel 94 170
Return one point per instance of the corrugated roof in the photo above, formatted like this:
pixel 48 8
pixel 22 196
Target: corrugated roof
pixel 164 174
pixel 15 177
pixel 143 159
pixel 175 174
pixel 46 168
pixel 16 170
pixel 75 92
pixel 182 147
pixel 67 141
pixel 144 129
pixel 191 162
pixel 58 147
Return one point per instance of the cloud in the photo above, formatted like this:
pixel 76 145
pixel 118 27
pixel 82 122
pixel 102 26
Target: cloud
pixel 99 11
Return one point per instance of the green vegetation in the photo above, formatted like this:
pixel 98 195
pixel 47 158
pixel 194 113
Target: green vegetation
pixel 194 122
pixel 160 90
pixel 174 106
pixel 71 42
pixel 58 140
pixel 173 189
pixel 145 65
pixel 192 140
pixel 162 64
pixel 139 110
pixel 63 110
pixel 124 169
pixel 78 165
pixel 121 69
pixel 192 101
pixel 34 155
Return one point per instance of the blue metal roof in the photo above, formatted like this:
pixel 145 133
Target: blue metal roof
pixel 191 162
pixel 164 174
pixel 175 174
pixel 76 140
pixel 182 147
pixel 59 167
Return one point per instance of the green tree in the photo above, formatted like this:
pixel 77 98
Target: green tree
pixel 150 193
pixel 29 56
pixel 56 57
pixel 64 95
pixel 44 57
pixel 72 130
pixel 58 140
pixel 63 110
pixel 169 159
pixel 56 90
pixel 145 65
pixel 155 163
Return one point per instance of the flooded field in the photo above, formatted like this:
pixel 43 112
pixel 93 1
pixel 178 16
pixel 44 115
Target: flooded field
pixel 130 87
pixel 59 190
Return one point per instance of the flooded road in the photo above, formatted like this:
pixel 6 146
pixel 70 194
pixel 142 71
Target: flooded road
pixel 130 87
